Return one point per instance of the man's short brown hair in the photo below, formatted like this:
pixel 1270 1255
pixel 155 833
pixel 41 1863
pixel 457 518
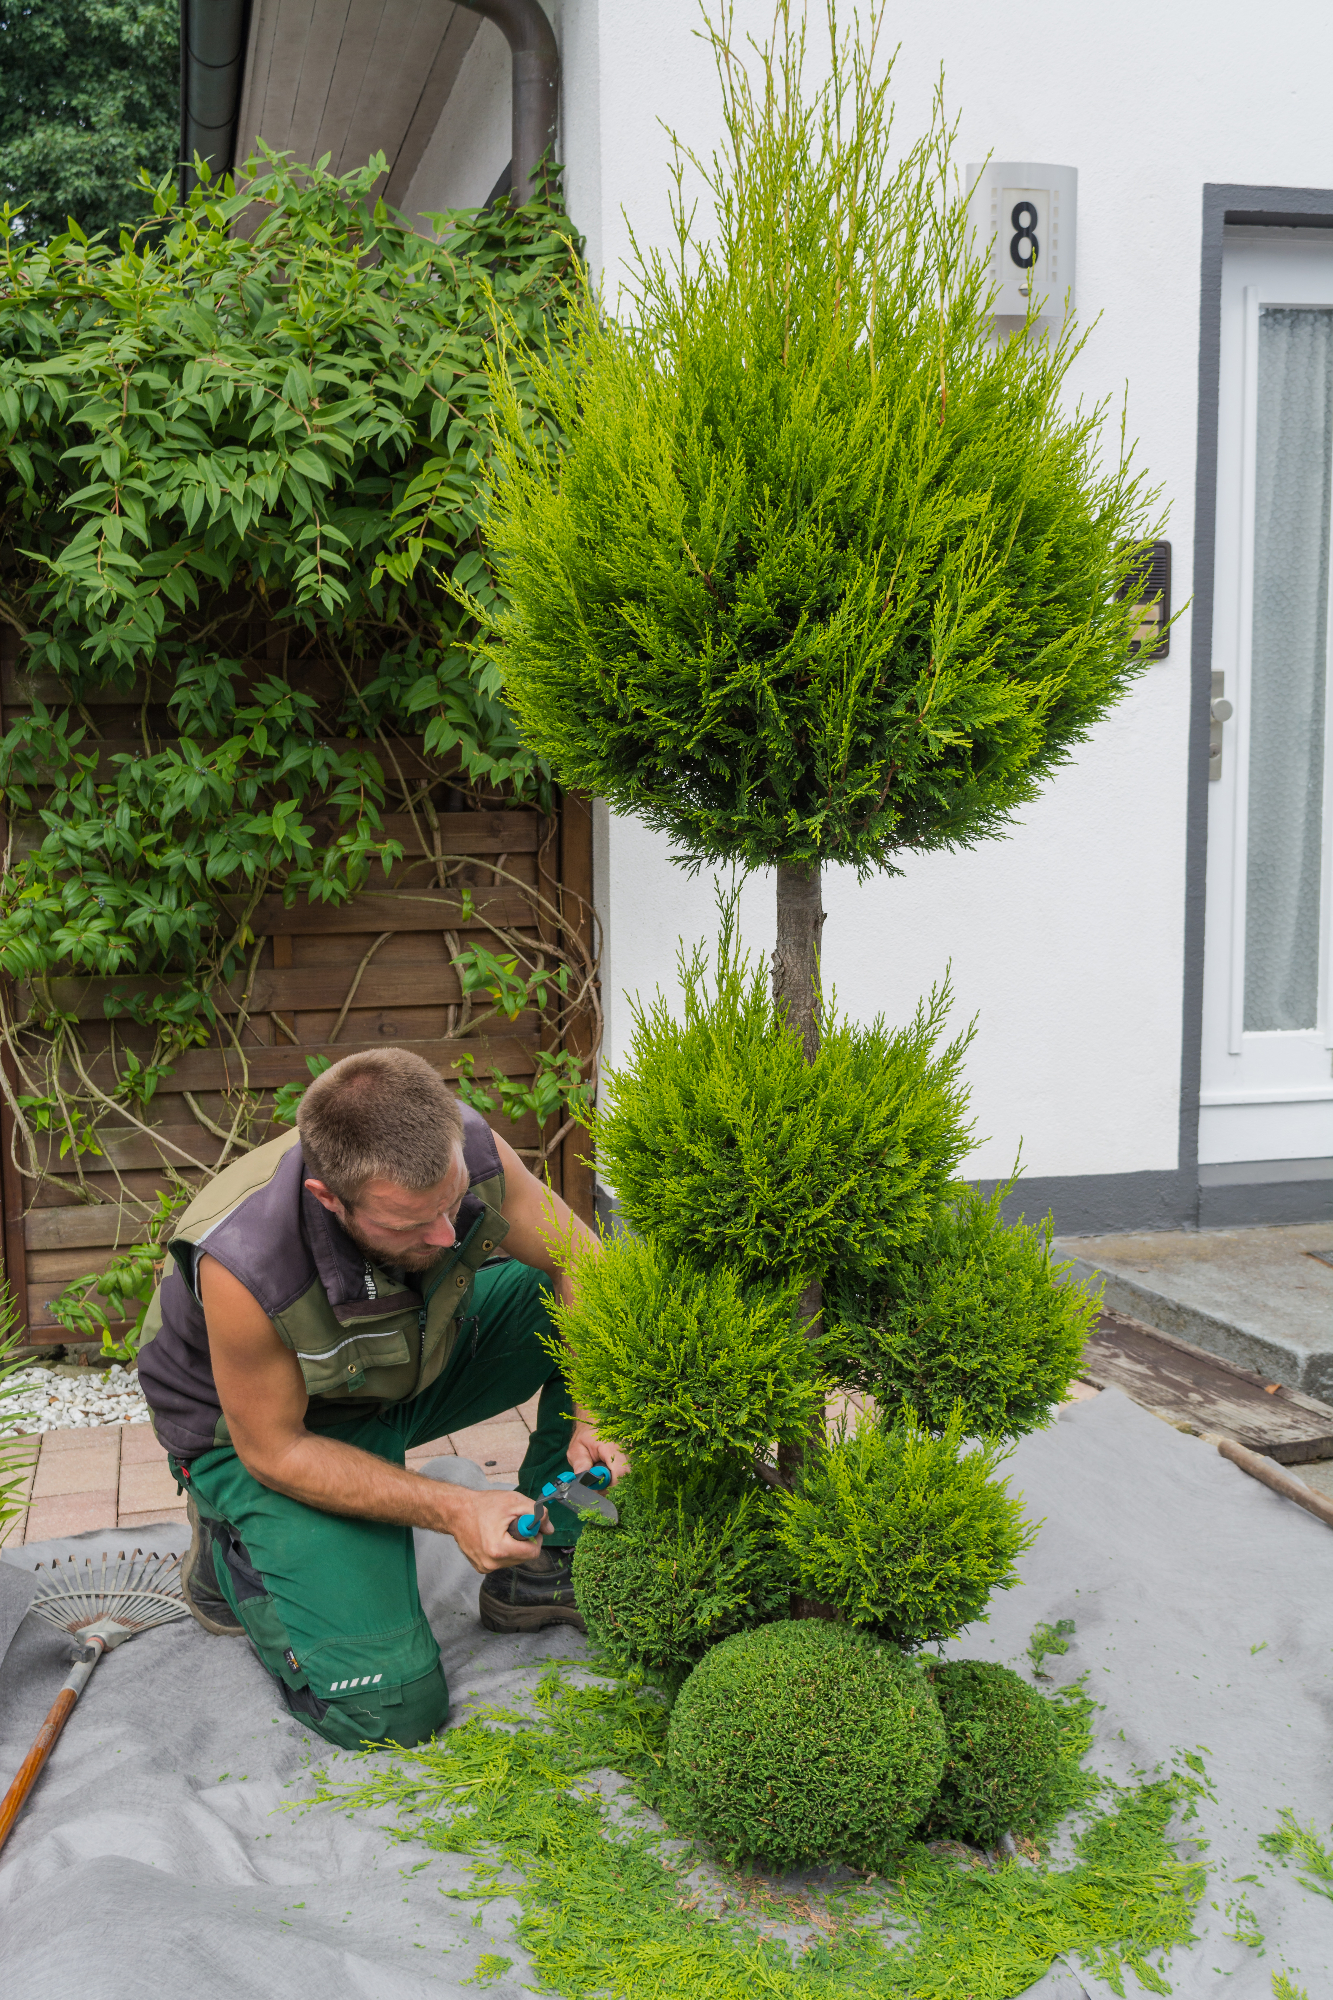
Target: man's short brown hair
pixel 383 1114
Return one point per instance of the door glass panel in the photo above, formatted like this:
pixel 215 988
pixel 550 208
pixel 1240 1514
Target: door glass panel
pixel 1289 672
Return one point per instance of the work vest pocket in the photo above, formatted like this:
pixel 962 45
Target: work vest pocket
pixel 344 1363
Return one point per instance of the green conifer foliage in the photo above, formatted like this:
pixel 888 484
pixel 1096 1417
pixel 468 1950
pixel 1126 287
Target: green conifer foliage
pixel 974 1313
pixel 904 1533
pixel 816 571
pixel 725 1146
pixel 684 1369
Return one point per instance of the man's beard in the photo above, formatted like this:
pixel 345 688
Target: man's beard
pixel 417 1262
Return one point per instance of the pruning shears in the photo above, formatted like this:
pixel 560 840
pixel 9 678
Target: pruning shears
pixel 584 1492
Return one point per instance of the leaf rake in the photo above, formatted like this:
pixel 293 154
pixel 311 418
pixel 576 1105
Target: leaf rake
pixel 100 1608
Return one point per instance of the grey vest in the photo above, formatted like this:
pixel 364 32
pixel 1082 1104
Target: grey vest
pixel 362 1337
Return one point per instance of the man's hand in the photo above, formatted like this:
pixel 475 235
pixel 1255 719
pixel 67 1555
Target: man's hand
pixel 587 1449
pixel 481 1528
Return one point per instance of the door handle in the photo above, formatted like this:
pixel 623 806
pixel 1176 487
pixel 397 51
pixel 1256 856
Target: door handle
pixel 1219 711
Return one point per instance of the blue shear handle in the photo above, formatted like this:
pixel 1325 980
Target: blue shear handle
pixel 598 1476
pixel 527 1528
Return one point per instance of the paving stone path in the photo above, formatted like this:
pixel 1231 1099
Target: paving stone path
pixel 116 1476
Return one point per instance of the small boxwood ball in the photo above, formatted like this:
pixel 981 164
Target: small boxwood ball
pixel 1003 1744
pixel 806 1741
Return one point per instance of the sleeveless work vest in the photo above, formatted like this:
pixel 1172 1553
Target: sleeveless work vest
pixel 362 1337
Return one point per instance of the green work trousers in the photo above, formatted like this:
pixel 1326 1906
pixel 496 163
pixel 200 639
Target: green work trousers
pixel 330 1604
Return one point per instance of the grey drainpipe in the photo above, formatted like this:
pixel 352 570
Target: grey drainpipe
pixel 212 71
pixel 536 84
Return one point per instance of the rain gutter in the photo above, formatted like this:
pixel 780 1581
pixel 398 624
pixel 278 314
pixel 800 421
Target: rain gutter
pixel 212 71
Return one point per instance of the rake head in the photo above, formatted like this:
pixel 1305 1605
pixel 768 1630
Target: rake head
pixel 113 1602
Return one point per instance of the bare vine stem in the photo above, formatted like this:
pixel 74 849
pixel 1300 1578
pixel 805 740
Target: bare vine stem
pixel 357 977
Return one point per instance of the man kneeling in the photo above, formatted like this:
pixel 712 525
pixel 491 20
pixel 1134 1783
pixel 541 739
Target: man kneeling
pixel 333 1299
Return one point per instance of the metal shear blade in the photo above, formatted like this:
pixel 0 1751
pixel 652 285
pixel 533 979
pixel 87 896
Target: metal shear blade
pixel 583 1494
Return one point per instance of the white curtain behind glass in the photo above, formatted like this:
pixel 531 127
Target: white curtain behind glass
pixel 1289 673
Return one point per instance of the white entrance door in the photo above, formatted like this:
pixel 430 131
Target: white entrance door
pixel 1267 1088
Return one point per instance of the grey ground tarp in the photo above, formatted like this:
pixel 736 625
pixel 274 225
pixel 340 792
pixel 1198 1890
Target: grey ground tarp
pixel 154 1860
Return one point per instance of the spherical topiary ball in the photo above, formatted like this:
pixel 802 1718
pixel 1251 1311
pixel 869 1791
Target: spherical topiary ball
pixel 806 1741
pixel 1003 1744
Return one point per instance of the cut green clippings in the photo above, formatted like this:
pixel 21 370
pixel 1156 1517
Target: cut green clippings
pixel 1313 1860
pixel 1286 1989
pixel 489 1966
pixel 607 1909
pixel 1048 1639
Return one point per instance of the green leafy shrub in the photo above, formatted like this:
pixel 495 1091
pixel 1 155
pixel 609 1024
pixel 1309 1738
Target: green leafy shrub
pixel 678 1576
pixel 724 1145
pixel 1003 1745
pixel 972 1312
pixel 806 1741
pixel 244 484
pixel 681 1366
pixel 902 1532
pixel 816 570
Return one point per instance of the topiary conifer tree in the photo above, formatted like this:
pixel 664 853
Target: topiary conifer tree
pixel 817 573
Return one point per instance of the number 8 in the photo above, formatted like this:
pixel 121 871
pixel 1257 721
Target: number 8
pixel 1024 219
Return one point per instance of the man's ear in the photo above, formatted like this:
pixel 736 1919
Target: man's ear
pixel 324 1198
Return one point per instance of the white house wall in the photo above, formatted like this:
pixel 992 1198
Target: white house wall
pixel 1066 939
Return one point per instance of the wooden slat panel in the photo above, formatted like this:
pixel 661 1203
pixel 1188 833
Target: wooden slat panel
pixel 62 1267
pixel 255 75
pixel 421 910
pixel 305 990
pixel 20 690
pixel 129 1149
pixel 78 1228
pixel 11 1194
pixel 473 832
pixel 219 1069
pixel 409 750
pixel 40 1295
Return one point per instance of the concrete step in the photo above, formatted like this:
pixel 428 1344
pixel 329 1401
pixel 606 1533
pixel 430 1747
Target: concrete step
pixel 1262 1298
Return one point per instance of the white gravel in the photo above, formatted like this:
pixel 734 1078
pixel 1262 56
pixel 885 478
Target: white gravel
pixel 43 1401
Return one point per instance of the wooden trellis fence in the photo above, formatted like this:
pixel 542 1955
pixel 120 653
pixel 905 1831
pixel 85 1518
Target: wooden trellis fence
pixel 327 981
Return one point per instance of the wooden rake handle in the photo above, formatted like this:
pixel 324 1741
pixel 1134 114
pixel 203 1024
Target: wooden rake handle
pixel 1270 1474
pixel 57 1716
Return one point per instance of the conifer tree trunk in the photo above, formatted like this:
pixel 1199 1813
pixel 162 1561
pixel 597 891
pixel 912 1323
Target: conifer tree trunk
pixel 796 992
pixel 796 957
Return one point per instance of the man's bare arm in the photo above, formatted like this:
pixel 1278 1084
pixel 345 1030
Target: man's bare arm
pixel 540 1224
pixel 264 1400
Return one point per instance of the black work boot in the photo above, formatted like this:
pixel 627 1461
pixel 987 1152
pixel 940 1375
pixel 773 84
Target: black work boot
pixel 199 1587
pixel 530 1595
